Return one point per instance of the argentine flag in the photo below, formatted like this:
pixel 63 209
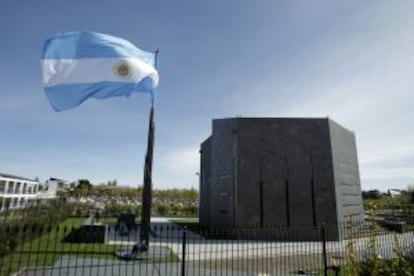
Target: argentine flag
pixel 81 65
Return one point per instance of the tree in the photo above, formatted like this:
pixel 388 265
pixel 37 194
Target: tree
pixel 112 183
pixel 162 210
pixel 83 188
pixel 410 192
pixel 372 194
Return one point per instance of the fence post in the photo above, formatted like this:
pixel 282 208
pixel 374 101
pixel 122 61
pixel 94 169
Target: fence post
pixel 184 253
pixel 325 261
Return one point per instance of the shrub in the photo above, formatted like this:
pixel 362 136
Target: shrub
pixel 13 231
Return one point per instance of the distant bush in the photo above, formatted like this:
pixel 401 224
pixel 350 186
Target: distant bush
pixel 175 210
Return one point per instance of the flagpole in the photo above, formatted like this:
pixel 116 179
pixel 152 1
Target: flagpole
pixel 147 189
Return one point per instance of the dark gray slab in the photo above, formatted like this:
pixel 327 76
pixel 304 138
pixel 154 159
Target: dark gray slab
pixel 288 172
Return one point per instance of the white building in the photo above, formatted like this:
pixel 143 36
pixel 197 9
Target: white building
pixel 17 192
pixel 51 188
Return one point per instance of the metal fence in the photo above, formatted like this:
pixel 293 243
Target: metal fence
pixel 73 248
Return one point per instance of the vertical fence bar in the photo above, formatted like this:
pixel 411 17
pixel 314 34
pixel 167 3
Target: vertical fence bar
pixel 62 248
pixel 183 253
pixel 55 233
pixel 325 261
pixel 48 230
pixel 31 234
pixel 165 229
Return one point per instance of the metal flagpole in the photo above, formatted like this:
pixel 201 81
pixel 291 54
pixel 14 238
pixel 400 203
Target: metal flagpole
pixel 147 189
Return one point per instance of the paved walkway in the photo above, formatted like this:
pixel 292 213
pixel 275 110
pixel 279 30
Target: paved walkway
pixel 69 266
pixel 219 257
pixel 199 248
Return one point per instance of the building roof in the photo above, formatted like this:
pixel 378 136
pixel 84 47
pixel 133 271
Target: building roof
pixel 16 177
pixel 282 119
pixel 57 179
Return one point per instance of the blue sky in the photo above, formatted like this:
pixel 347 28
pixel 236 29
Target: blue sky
pixel 350 60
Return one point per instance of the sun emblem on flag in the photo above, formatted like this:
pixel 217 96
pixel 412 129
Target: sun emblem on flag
pixel 122 69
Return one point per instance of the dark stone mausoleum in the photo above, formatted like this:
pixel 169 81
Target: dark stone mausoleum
pixel 287 172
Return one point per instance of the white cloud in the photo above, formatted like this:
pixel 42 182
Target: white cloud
pixel 177 168
pixel 389 174
pixel 359 73
pixel 389 154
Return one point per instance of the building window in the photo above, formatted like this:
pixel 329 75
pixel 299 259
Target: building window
pixel 18 186
pixel 30 189
pixel 2 186
pixel 15 202
pixel 10 188
pixel 24 188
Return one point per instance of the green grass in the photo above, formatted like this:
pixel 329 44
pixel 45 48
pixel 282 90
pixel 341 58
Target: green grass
pixel 107 220
pixel 409 227
pixel 48 248
pixel 184 220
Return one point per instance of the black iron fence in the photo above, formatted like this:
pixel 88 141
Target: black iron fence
pixel 106 248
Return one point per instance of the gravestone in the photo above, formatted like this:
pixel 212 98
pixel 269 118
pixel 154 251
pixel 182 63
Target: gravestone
pixel 125 223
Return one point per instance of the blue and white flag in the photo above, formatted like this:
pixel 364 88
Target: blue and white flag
pixel 81 65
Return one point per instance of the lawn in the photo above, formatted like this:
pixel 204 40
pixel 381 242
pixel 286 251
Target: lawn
pixel 107 220
pixel 48 248
pixel 187 222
